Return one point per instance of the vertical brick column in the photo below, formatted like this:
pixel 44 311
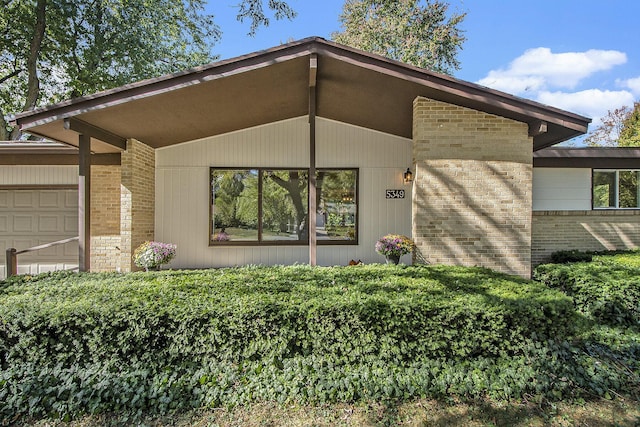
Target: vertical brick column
pixel 137 199
pixel 472 190
pixel 105 218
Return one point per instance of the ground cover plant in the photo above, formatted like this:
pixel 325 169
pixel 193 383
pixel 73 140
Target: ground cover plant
pixel 161 342
pixel 605 289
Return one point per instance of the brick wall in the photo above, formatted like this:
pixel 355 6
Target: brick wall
pixel 584 230
pixel 472 188
pixel 137 199
pixel 105 218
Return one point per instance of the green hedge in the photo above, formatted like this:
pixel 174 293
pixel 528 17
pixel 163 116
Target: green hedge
pixel 250 314
pixel 606 289
pixel 149 342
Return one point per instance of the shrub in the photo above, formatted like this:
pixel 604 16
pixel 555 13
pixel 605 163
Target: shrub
pixel 235 314
pixel 159 342
pixel 605 291
pixel 565 257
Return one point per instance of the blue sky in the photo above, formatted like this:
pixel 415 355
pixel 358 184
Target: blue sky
pixel 579 55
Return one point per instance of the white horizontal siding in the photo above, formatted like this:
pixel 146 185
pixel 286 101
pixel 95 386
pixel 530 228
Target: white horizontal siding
pixel 39 175
pixel 182 188
pixel 561 189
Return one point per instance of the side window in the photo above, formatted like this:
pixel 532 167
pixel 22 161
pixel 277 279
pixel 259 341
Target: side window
pixel 337 193
pixel 616 189
pixel 234 205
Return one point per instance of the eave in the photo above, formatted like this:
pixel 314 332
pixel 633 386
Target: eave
pixel 588 157
pixel 352 86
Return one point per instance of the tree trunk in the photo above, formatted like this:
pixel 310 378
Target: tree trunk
pixel 295 192
pixel 33 83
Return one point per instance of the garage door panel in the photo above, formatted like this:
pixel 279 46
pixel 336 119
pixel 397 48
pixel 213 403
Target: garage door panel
pixel 23 223
pixel 24 199
pixel 49 199
pixel 49 253
pixel 22 243
pixel 4 199
pixel 4 223
pixel 70 250
pixel 71 224
pixel 71 199
pixel 49 223
pixel 61 251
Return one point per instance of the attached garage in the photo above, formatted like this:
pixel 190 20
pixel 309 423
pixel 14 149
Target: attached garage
pixel 33 214
pixel 32 217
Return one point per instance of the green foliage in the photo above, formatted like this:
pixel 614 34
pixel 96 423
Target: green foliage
pixel 565 257
pixel 89 46
pixel 606 290
pixel 415 32
pixel 619 128
pixel 630 133
pixel 158 342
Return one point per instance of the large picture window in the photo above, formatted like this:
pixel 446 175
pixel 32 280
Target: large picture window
pixel 616 189
pixel 270 206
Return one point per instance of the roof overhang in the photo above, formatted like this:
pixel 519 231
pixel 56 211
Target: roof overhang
pixel 588 157
pixel 47 153
pixel 352 86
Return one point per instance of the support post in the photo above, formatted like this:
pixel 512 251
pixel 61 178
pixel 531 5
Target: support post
pixel 12 262
pixel 84 203
pixel 313 67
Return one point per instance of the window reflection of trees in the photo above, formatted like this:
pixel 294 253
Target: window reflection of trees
pixel 271 205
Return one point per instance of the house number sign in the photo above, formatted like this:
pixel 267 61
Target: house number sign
pixel 395 194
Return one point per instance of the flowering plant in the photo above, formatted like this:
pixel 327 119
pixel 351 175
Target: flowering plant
pixel 153 254
pixel 394 245
pixel 222 236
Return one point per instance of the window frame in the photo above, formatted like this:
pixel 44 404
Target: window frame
pixel 616 188
pixel 260 241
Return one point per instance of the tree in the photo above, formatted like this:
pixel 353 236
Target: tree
pixel 55 49
pixel 630 133
pixel 620 127
pixel 412 31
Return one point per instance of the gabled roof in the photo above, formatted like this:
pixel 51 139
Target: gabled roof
pixel 352 86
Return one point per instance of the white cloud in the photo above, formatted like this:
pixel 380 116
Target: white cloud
pixel 633 84
pixel 540 69
pixel 592 103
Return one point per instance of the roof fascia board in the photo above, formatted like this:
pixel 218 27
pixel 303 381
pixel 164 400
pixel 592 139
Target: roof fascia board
pixel 603 158
pixel 441 82
pixel 454 86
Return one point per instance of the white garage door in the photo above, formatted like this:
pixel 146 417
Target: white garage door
pixel 32 217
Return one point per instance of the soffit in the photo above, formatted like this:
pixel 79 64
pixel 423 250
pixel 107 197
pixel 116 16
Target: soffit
pixel 352 87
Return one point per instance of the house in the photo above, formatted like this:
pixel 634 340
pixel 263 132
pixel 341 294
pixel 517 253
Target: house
pixel 585 198
pixel 297 154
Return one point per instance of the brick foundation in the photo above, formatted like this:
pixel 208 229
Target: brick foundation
pixel 584 230
pixel 472 189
